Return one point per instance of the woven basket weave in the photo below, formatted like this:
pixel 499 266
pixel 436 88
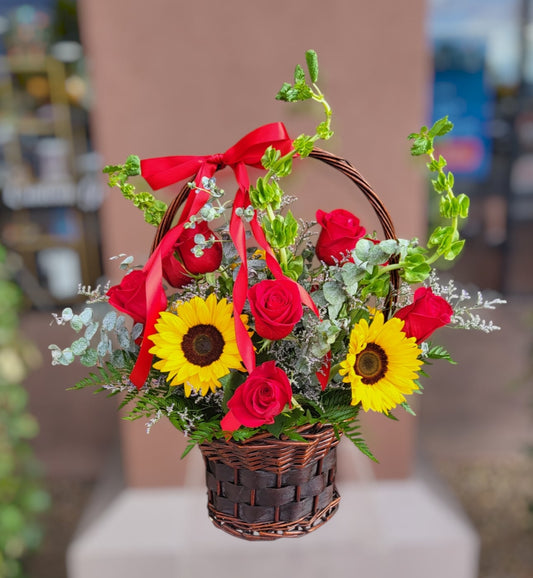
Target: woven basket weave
pixel 267 488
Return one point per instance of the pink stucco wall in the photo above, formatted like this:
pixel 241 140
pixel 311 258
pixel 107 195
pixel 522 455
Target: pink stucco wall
pixel 172 77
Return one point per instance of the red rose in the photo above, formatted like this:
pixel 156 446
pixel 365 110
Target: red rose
pixel 178 267
pixel 212 256
pixel 340 232
pixel 259 399
pixel 174 272
pixel 130 296
pixel 427 313
pixel 276 307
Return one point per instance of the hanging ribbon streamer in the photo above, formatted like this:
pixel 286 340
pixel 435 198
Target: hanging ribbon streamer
pixel 164 171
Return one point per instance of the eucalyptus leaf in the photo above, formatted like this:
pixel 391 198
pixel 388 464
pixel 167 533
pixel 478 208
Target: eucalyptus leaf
pixel 377 256
pixel 76 323
pixel 389 246
pixel 333 293
pixel 67 357
pixel 86 315
pixel 91 330
pixel 334 309
pixel 67 314
pixel 79 346
pixel 319 298
pixel 109 321
pixel 126 262
pixel 118 359
pixel 351 275
pixel 104 346
pixel 362 249
pixel 124 338
pixel 89 358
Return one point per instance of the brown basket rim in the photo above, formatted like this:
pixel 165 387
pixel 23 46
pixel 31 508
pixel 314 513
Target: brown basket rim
pixel 267 453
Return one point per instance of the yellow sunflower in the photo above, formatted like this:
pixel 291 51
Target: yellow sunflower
pixel 196 346
pixel 381 364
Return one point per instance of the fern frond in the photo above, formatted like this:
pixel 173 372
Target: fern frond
pixel 104 375
pixel 351 431
pixel 336 397
pixel 204 432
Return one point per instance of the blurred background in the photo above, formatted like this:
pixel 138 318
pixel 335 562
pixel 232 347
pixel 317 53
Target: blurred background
pixel 474 59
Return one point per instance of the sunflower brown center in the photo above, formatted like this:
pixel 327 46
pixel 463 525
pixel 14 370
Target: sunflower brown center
pixel 371 364
pixel 202 345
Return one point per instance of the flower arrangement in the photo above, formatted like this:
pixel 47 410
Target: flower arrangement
pixel 247 320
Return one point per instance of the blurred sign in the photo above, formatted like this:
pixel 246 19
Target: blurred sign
pixel 462 93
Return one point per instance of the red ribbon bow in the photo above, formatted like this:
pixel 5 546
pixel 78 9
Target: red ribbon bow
pixel 164 171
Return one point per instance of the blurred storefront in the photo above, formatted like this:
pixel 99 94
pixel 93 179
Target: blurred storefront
pixel 483 75
pixel 49 172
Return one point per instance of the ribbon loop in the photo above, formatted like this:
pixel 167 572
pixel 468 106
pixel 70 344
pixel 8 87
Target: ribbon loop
pixel 161 172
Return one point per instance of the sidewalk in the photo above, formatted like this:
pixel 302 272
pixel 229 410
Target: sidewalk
pixel 476 423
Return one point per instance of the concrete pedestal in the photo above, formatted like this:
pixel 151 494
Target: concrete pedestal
pixel 406 528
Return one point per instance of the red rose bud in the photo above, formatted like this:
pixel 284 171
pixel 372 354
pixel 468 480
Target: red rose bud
pixel 174 272
pixel 259 399
pixel 340 232
pixel 210 259
pixel 427 313
pixel 130 296
pixel 276 307
pixel 182 263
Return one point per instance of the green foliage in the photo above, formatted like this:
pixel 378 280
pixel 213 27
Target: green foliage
pixel 438 352
pixel 299 91
pixel 281 231
pixel 311 59
pixel 205 432
pixel 415 268
pixel 294 266
pixel 303 145
pixel 277 165
pixel 266 194
pixel 103 376
pixel 344 417
pixel 152 208
pixel 22 497
pixel 105 333
pixel 444 239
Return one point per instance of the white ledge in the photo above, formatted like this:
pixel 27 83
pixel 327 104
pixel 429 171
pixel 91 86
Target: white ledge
pixel 407 528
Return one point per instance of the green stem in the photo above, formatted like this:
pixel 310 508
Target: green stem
pixel 387 268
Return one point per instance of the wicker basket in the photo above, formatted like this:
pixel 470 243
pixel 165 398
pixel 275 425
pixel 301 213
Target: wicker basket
pixel 267 488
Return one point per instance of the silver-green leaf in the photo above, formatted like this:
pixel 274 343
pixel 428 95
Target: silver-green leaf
pixel 333 293
pixel 79 346
pixel 108 322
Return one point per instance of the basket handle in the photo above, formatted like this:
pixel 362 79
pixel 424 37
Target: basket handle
pixel 338 163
